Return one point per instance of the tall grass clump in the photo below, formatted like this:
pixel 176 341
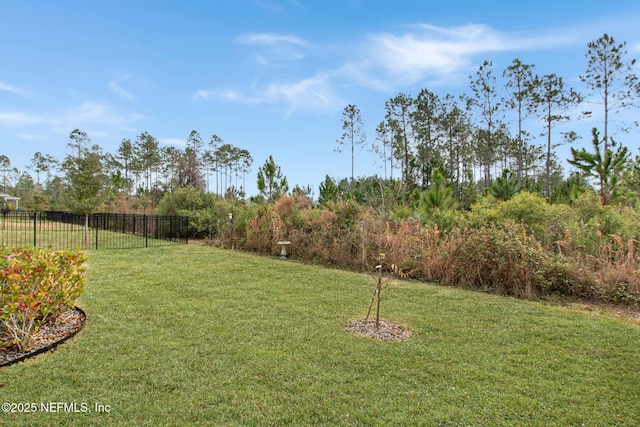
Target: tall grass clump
pixel 503 259
pixel 614 274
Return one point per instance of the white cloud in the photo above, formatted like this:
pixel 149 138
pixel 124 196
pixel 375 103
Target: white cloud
pixel 116 88
pixel 11 88
pixel 96 118
pixel 94 112
pixel 91 112
pixel 27 136
pixel 426 51
pixel 239 98
pixel 310 94
pixel 19 119
pixel 276 47
pixel 270 39
pixel 230 95
pixel 89 116
pixel 203 94
pixel 8 88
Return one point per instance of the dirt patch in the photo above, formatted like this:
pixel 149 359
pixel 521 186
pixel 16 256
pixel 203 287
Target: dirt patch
pixel 385 331
pixel 48 337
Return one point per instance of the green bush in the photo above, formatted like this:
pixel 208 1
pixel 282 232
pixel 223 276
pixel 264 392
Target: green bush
pixel 198 205
pixel 547 223
pixel 37 285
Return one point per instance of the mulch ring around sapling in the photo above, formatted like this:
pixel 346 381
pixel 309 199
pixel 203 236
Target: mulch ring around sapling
pixel 50 335
pixel 386 331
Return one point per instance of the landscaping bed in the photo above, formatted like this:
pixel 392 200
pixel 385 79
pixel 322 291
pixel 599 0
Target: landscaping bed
pixel 50 335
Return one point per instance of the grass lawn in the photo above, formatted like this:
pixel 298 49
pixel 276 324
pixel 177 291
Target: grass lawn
pixel 190 335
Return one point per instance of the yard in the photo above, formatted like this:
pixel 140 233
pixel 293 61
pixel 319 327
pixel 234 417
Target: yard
pixel 193 335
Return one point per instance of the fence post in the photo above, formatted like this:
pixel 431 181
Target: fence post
pixel 35 229
pixel 146 235
pixel 97 227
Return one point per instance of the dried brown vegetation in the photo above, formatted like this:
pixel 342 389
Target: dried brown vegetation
pixel 522 247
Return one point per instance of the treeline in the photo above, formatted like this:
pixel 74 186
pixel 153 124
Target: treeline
pixel 512 119
pixel 134 178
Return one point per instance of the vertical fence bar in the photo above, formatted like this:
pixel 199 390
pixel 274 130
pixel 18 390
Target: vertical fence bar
pixel 35 229
pixel 97 229
pixel 146 236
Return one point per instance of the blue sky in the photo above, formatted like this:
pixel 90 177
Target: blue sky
pixel 269 76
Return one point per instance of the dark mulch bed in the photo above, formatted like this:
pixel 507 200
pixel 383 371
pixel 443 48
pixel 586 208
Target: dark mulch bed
pixel 386 331
pixel 48 337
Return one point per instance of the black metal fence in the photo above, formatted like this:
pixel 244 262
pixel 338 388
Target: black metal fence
pixel 64 230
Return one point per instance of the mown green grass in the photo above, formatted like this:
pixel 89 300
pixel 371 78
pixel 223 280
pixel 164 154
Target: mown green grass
pixel 189 335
